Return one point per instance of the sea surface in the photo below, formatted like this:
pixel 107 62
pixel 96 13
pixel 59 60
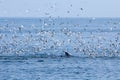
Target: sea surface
pixel 34 48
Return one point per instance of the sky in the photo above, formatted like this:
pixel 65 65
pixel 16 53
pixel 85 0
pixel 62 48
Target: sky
pixel 60 8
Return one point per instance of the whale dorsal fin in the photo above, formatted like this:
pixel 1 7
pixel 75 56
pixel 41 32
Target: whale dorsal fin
pixel 67 54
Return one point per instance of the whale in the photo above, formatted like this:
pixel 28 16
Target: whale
pixel 67 54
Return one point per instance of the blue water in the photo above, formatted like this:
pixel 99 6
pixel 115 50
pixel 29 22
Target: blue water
pixel 33 48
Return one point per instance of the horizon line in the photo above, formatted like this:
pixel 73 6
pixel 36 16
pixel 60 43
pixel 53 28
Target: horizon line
pixel 55 17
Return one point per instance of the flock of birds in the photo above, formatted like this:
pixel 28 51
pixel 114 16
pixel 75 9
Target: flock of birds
pixel 58 40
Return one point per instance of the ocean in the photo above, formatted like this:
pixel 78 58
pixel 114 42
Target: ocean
pixel 34 48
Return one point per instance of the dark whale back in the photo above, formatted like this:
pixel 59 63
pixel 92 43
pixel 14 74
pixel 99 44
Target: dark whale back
pixel 67 54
